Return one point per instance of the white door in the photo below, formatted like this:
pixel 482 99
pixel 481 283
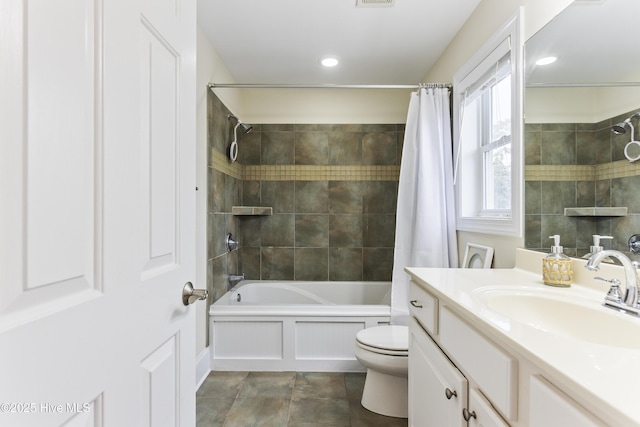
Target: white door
pixel 97 209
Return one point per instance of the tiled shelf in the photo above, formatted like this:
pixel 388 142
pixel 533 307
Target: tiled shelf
pixel 595 211
pixel 251 210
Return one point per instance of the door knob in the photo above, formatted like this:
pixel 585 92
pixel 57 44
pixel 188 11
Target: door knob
pixel 190 295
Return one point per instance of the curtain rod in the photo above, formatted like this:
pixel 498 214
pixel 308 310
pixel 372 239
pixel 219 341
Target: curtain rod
pixel 325 86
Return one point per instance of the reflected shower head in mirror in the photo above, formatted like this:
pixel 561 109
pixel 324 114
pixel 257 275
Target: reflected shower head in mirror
pixel 619 128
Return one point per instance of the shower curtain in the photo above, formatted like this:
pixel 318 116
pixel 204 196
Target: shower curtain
pixel 425 215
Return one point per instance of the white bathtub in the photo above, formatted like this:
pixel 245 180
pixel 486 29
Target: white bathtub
pixel 294 326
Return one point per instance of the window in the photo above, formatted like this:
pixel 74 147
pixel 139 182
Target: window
pixel 488 135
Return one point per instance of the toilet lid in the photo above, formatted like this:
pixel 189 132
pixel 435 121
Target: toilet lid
pixel 388 337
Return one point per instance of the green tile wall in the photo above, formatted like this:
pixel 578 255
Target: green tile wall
pixel 333 190
pixel 578 165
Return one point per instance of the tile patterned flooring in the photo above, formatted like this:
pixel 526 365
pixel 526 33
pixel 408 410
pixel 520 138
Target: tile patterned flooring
pixel 286 399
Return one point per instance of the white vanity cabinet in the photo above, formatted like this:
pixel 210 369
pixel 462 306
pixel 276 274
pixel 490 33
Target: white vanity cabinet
pixel 460 377
pixel 439 393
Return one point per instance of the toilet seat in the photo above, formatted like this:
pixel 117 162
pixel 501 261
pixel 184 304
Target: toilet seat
pixel 392 340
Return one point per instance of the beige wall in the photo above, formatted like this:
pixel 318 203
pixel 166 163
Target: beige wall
pixel 324 105
pixel 578 105
pixel 486 20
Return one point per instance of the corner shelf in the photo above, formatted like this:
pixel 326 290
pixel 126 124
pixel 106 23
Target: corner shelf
pixel 251 210
pixel 595 211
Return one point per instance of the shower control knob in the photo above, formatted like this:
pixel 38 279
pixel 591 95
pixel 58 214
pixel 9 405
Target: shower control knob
pixel 634 244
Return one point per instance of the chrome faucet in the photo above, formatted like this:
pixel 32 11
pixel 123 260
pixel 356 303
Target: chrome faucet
pixel 629 302
pixel 235 278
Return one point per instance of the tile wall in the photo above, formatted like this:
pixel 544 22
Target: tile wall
pixel 223 193
pixel 579 165
pixel 333 190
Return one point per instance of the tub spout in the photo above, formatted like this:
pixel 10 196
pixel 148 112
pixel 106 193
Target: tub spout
pixel 235 278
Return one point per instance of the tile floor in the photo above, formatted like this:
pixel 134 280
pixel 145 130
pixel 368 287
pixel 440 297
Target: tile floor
pixel 286 399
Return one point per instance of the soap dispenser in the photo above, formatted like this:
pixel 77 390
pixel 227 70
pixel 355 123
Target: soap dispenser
pixel 556 267
pixel 596 245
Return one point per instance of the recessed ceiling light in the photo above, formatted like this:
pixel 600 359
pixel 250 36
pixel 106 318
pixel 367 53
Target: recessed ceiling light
pixel 329 62
pixel 546 61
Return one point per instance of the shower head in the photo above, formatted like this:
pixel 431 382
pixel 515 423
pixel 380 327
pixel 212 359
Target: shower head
pixel 619 128
pixel 245 128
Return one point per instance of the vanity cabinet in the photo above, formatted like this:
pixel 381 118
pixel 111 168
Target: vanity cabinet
pixel 442 396
pixel 459 377
pixel 439 393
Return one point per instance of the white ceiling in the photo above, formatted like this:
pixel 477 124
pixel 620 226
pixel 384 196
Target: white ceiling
pixel 282 41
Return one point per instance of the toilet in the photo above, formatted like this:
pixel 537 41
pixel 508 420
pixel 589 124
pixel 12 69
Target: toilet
pixel 384 351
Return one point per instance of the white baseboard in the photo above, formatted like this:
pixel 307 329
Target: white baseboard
pixel 203 367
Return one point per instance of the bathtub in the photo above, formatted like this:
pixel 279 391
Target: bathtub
pixel 294 325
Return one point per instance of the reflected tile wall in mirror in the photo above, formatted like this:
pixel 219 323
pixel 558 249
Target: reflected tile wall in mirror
pixel 578 165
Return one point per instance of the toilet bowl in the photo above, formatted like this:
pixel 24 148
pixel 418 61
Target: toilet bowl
pixel 384 350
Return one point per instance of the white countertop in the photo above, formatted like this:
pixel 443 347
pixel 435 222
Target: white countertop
pixel 605 377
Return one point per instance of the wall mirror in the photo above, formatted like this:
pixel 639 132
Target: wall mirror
pixel 572 158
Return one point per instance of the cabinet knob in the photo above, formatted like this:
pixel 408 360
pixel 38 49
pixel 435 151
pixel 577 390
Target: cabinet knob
pixel 468 415
pixel 449 393
pixel 415 303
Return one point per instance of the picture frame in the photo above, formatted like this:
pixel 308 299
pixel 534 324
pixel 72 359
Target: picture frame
pixel 477 256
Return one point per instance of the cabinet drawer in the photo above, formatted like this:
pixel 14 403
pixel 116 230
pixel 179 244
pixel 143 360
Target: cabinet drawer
pixel 424 307
pixel 494 371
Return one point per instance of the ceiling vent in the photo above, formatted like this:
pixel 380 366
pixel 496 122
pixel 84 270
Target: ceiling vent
pixel 375 3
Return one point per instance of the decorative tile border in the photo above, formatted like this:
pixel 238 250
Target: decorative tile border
pixel 303 173
pixel 221 163
pixel 559 173
pixel 618 169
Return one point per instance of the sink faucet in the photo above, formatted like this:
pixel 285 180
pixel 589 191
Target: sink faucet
pixel 632 281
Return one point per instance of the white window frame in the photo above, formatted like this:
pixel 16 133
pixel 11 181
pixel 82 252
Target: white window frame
pixel 487 221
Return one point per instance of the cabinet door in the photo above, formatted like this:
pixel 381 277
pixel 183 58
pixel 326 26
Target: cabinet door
pixel 549 407
pixel 437 390
pixel 482 413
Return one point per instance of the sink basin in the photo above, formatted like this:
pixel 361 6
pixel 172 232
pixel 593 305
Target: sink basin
pixel 584 320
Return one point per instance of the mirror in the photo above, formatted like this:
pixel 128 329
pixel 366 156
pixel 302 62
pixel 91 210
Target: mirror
pixel 572 157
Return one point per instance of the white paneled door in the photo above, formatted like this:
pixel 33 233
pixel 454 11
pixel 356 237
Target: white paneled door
pixel 97 212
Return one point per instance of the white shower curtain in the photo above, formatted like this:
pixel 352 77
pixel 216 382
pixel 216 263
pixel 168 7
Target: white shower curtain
pixel 425 216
